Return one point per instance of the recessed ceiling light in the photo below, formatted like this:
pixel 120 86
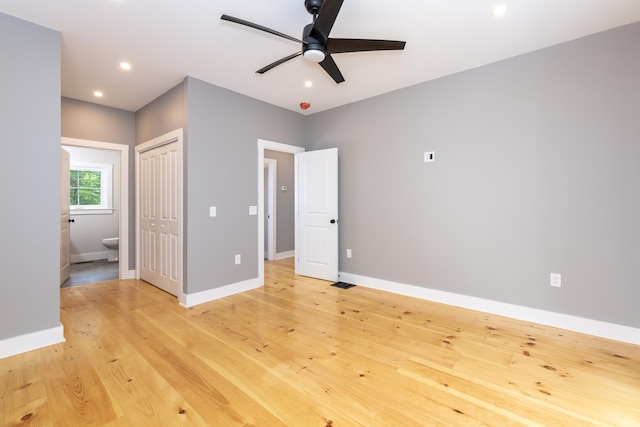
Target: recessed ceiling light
pixel 125 66
pixel 98 94
pixel 308 83
pixel 500 10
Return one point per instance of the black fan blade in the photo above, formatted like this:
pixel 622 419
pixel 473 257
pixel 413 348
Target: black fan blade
pixel 326 18
pixel 331 68
pixel 278 62
pixel 258 27
pixel 362 45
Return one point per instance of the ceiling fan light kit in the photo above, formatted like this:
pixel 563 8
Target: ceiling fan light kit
pixel 316 44
pixel 314 55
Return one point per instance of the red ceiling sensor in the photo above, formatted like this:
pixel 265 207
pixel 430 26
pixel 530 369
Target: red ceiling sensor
pixel 304 105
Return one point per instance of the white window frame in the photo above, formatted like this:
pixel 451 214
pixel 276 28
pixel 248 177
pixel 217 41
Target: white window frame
pixel 106 188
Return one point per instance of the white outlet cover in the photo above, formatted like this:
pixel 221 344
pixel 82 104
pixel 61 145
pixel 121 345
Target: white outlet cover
pixel 348 253
pixel 238 259
pixel 212 211
pixel 555 280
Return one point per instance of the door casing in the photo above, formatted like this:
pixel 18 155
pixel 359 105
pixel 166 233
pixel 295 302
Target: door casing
pixel 123 227
pixel 264 144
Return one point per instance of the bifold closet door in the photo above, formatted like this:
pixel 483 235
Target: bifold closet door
pixel 159 217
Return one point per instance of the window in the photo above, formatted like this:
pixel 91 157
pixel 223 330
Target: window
pixel 90 188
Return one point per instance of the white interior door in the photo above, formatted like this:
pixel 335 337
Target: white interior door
pixel 317 217
pixel 160 194
pixel 65 215
pixel 270 208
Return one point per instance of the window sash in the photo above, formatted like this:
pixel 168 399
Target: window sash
pixel 88 180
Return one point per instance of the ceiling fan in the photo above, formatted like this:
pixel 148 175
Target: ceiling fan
pixel 316 44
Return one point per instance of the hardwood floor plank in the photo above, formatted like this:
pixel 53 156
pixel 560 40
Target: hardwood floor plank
pixel 184 372
pixel 23 394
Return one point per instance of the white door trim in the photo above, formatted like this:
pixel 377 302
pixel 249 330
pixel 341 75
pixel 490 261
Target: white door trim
pixel 167 138
pixel 263 144
pixel 123 214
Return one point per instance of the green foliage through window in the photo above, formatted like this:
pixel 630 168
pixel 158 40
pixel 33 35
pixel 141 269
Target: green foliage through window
pixel 85 188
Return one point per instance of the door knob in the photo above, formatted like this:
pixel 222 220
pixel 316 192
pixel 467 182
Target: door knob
pixel 333 221
pixel 72 220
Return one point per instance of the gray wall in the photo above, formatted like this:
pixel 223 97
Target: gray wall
pixel 285 220
pixel 164 114
pixel 536 171
pixel 223 129
pixel 220 158
pixel 30 122
pixel 84 120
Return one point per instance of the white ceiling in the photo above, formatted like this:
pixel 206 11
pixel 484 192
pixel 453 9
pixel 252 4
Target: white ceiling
pixel 166 40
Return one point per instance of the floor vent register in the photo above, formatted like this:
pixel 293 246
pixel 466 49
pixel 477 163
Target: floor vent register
pixel 343 285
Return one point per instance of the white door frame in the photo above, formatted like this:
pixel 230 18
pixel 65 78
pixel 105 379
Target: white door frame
pixel 272 169
pixel 263 144
pixel 123 211
pixel 167 138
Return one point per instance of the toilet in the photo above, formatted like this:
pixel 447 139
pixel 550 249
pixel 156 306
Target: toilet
pixel 112 243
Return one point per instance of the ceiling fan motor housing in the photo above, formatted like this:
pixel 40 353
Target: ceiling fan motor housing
pixel 312 42
pixel 313 6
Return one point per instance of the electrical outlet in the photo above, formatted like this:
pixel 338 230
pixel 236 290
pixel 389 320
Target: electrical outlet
pixel 212 211
pixel 348 253
pixel 555 280
pixel 238 259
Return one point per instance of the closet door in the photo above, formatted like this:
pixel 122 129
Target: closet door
pixel 159 217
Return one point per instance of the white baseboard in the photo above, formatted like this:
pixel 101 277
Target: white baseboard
pixel 189 300
pixel 564 321
pixel 287 254
pixel 31 341
pixel 90 256
pixel 130 274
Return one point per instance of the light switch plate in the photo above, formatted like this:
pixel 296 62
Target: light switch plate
pixel 253 210
pixel 429 156
pixel 212 211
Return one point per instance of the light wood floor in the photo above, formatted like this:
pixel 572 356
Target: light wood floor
pixel 301 353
